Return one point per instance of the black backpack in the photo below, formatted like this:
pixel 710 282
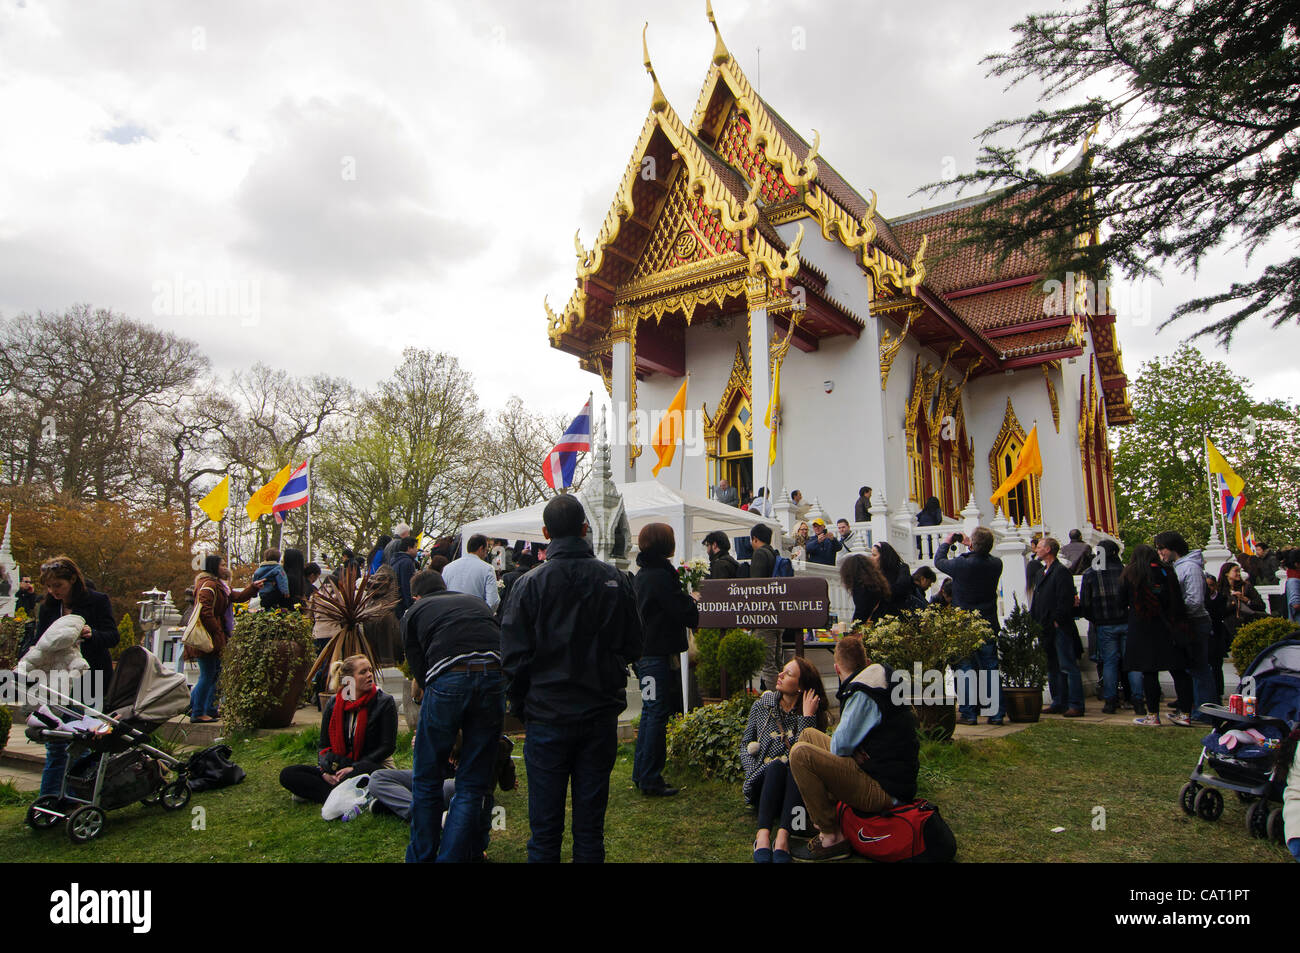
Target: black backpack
pixel 212 768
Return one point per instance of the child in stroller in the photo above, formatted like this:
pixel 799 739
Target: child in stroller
pixel 1251 754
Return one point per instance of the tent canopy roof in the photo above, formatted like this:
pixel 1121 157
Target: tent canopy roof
pixel 647 501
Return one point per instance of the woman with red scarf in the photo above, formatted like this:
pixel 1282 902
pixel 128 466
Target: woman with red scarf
pixel 358 734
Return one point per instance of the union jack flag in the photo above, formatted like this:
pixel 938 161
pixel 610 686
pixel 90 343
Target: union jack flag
pixel 562 461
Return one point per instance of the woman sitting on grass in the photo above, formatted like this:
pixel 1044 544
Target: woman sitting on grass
pixel 775 722
pixel 358 734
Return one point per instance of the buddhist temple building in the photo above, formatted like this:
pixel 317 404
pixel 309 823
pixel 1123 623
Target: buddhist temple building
pixel 733 248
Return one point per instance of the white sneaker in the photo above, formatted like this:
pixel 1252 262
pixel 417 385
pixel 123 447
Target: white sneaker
pixel 1152 720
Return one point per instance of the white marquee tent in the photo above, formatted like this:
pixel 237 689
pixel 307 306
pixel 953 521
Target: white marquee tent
pixel 648 501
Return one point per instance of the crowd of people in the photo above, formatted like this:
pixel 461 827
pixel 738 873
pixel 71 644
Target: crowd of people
pixel 497 630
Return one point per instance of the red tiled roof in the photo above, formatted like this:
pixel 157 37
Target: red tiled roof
pixel 1003 308
pixel 1027 343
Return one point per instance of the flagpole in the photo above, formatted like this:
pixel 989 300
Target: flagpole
pixel 681 471
pixel 309 456
pixel 1209 480
pixel 230 521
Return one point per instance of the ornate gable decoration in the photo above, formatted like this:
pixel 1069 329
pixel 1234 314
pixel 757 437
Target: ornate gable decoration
pixel 738 387
pixel 687 232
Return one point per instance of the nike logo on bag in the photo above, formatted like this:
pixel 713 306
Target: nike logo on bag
pixel 864 839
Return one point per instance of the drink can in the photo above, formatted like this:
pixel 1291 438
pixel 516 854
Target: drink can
pixel 1235 705
pixel 1248 705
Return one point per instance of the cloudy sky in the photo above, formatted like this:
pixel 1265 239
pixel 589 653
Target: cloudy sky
pixel 344 179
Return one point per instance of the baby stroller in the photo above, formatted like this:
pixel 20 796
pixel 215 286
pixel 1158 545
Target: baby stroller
pixel 1241 749
pixel 110 762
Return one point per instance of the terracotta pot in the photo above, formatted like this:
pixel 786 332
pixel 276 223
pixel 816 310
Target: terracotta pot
pixel 936 720
pixel 292 662
pixel 1023 704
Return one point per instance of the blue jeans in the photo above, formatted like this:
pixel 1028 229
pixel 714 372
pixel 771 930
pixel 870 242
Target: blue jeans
pixel 662 686
pixel 555 756
pixel 472 703
pixel 981 690
pixel 1111 642
pixel 203 699
pixel 1204 690
pixel 56 760
pixel 1063 670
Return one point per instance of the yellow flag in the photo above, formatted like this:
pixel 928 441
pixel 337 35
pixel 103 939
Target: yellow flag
pixel 1029 462
pixel 670 431
pixel 260 503
pixel 215 503
pixel 1219 465
pixel 773 410
pixel 1241 540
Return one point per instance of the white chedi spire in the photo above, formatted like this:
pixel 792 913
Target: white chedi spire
pixel 6 555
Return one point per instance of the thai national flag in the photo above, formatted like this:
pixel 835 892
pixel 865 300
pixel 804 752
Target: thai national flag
pixel 558 467
pixel 293 495
pixel 1231 504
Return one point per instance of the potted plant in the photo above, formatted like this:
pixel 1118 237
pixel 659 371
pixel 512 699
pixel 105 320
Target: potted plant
pixel 343 609
pixel 1023 665
pixel 264 669
pixel 740 656
pixel 929 641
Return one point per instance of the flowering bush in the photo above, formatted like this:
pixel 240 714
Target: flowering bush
pixel 936 638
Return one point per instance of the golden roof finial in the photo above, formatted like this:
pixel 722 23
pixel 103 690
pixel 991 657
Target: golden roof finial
pixel 918 266
pixel 658 101
pixel 720 52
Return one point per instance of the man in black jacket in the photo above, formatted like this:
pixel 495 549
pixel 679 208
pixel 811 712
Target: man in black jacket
pixel 1052 604
pixel 761 566
pixel 453 645
pixel 975 577
pixel 568 633
pixel 403 563
pixel 722 565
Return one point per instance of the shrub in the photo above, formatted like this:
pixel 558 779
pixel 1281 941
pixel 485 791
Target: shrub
pixel 740 655
pixel 708 738
pixel 6 722
pixel 1254 637
pixel 11 636
pixel 707 667
pixel 253 661
pixel 126 636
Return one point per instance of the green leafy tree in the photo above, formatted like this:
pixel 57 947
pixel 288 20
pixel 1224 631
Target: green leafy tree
pixel 1160 479
pixel 1192 108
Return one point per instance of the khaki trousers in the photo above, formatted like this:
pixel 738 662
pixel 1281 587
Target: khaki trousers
pixel 824 779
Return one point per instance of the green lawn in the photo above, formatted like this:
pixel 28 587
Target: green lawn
pixel 1001 797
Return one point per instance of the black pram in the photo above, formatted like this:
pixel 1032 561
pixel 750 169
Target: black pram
pixel 110 761
pixel 1241 750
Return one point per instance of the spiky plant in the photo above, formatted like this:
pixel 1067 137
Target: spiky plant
pixel 348 605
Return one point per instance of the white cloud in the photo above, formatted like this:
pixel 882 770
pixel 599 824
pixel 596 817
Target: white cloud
pixel 484 135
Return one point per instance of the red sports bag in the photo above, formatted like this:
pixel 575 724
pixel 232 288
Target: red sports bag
pixel 908 832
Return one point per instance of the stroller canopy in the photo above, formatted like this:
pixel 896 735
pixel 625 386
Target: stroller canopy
pixel 1276 672
pixel 142 690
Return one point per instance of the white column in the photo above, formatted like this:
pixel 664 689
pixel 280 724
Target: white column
pixel 1011 550
pixel 621 381
pixel 760 368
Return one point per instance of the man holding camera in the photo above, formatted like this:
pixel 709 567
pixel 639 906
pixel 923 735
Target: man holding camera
pixel 975 576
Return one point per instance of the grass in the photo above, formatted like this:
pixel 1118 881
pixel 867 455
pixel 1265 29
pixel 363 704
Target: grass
pixel 1002 798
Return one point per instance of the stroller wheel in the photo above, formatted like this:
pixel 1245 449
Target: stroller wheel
pixel 1187 797
pixel 1275 826
pixel 151 800
pixel 39 821
pixel 1257 819
pixel 175 795
pixel 85 824
pixel 1209 804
